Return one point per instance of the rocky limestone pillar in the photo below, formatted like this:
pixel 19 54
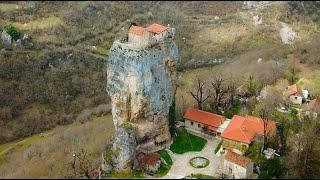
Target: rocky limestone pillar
pixel 141 84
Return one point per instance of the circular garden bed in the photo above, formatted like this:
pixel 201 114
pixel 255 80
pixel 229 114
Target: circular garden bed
pixel 199 162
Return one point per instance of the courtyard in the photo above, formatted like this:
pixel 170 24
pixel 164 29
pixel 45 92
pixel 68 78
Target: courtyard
pixel 181 162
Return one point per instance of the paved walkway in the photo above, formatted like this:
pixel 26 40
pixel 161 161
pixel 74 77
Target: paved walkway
pixel 181 167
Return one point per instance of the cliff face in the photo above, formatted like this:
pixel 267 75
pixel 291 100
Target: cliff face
pixel 141 84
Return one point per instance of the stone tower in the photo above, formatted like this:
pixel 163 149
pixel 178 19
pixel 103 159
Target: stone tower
pixel 141 84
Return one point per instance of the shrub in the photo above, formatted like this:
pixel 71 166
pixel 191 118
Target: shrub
pixel 218 147
pixel 12 32
pixel 65 120
pixel 102 110
pixel 272 167
pixel 172 118
pixel 164 154
pixel 280 131
pixel 84 116
pixel 200 176
pixel 264 175
pixel 199 165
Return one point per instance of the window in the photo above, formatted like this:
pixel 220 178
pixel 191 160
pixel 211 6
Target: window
pixel 191 123
pixel 199 126
pixel 230 170
pixel 295 97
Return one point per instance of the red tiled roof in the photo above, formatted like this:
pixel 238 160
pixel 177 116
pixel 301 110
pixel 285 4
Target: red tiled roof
pixel 237 159
pixel 207 118
pixel 137 30
pixel 244 129
pixel 156 28
pixel 313 105
pixel 293 89
pixel 149 159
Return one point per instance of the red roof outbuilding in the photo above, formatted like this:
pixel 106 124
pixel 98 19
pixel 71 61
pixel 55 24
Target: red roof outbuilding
pixel 237 159
pixel 293 89
pixel 203 117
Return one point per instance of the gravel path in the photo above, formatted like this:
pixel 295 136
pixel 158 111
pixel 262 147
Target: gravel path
pixel 181 167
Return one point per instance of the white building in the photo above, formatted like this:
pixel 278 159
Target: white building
pixel 196 120
pixel 154 33
pixel 237 166
pixel 295 94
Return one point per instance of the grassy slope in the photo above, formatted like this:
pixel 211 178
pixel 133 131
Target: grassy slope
pixel 49 156
pixel 38 24
pixel 9 7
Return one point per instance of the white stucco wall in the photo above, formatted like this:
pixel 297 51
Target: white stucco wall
pixel 296 99
pixel 140 40
pixel 238 172
pixel 193 127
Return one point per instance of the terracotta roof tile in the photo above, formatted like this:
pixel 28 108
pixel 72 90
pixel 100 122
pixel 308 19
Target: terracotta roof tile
pixel 237 159
pixel 244 129
pixel 156 28
pixel 149 159
pixel 207 118
pixel 137 30
pixel 293 89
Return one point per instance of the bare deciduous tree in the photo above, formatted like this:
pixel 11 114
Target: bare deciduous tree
pixel 199 95
pixel 82 166
pixel 219 89
pixel 265 110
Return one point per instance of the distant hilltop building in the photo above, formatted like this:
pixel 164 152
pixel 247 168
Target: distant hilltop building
pixel 154 33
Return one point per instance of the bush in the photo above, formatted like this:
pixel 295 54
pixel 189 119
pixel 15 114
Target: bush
pixel 102 110
pixel 65 120
pixel 12 32
pixel 84 116
pixel 218 147
pixel 200 176
pixel 272 167
pixel 172 118
pixel 280 131
pixel 195 165
pixel 164 154
pixel 264 175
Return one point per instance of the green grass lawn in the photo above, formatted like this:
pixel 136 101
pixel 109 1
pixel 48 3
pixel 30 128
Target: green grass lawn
pixel 100 50
pixel 4 148
pixel 164 169
pixel 80 5
pixel 185 142
pixel 164 154
pixel 132 174
pixel 199 176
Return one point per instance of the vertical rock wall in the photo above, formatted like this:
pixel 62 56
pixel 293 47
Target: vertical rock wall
pixel 141 84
